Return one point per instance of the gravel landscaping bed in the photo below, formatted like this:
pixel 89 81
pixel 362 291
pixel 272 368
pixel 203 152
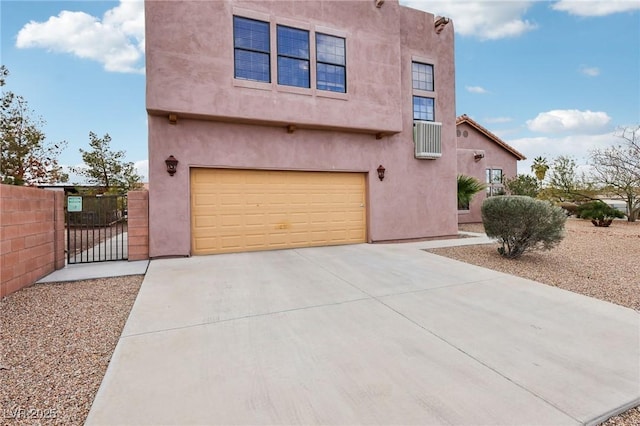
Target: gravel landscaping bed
pixel 599 262
pixel 56 341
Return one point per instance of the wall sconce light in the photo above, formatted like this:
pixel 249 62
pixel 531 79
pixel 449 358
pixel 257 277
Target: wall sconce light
pixel 478 156
pixel 173 119
pixel 291 128
pixel 172 165
pixel 379 3
pixel 381 172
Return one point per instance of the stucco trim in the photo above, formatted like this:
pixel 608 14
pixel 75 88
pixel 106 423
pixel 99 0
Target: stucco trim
pixel 424 60
pixel 250 14
pixel 276 169
pixel 250 121
pixel 251 84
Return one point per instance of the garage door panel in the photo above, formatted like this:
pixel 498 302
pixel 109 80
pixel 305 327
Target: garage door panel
pixel 241 210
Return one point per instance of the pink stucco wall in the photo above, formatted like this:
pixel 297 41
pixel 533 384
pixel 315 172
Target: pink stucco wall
pixel 495 157
pixel 231 124
pixel 190 64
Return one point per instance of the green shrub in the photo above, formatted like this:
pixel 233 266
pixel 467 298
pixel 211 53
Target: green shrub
pixel 522 224
pixel 523 185
pixel 600 213
pixel 468 186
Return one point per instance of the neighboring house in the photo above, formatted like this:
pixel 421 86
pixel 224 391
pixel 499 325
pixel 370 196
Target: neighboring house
pixel 281 115
pixel 486 157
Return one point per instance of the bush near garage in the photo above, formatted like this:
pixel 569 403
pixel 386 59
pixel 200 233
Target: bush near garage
pixel 522 224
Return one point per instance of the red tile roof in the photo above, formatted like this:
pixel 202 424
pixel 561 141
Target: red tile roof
pixel 464 118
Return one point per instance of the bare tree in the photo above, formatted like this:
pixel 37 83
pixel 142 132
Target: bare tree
pixel 618 169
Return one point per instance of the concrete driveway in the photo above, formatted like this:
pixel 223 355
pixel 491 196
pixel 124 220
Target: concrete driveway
pixel 364 334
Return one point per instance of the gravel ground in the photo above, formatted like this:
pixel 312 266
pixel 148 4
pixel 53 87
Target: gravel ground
pixel 56 341
pixel 599 262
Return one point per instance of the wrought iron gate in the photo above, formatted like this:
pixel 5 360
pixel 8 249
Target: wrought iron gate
pixel 96 228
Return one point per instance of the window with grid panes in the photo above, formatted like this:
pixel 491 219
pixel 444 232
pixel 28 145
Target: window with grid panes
pixel 251 49
pixel 293 57
pixel 422 77
pixel 331 69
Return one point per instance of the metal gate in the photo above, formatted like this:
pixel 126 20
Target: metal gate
pixel 96 228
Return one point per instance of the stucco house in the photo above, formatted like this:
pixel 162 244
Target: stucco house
pixel 297 123
pixel 486 157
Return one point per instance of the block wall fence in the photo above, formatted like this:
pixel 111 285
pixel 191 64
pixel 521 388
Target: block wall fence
pixel 32 233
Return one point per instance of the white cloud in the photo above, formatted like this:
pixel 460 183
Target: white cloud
pixel 488 20
pixel 585 122
pixel 575 146
pixel 116 41
pixel 596 8
pixel 590 71
pixel 142 168
pixel 476 89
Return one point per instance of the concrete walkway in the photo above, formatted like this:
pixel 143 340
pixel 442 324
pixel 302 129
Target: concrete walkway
pixel 87 271
pixel 111 249
pixel 364 334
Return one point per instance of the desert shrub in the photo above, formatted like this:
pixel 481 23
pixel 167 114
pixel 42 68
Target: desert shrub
pixel 523 185
pixel 522 224
pixel 600 213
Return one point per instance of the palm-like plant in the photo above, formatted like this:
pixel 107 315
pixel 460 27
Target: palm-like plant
pixel 468 186
pixel 540 167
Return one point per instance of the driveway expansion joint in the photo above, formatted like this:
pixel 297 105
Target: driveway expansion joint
pixel 467 354
pixel 378 299
pixel 265 314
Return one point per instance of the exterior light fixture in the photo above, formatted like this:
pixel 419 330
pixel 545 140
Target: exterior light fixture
pixel 173 119
pixel 379 3
pixel 478 156
pixel 381 172
pixel 172 165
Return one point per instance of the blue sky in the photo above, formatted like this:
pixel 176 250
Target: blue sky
pixel 549 77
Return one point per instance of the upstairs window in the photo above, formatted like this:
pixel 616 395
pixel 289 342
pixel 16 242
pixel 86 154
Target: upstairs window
pixel 293 57
pixel 251 49
pixel 423 108
pixel 331 72
pixel 422 76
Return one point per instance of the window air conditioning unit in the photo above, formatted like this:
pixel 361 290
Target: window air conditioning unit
pixel 427 139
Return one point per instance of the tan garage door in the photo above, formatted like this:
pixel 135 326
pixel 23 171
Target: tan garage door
pixel 245 210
